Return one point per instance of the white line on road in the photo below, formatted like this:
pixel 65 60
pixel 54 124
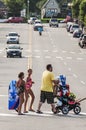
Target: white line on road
pixel 83 82
pixel 74 75
pixel 37 56
pixel 46 50
pixel 79 58
pixel 69 69
pixel 58 57
pixel 45 114
pixel 64 51
pixel 3 95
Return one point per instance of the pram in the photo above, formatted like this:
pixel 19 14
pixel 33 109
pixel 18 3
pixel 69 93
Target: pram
pixel 66 100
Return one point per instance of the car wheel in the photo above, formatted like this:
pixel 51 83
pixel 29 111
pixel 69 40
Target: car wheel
pixel 20 56
pixel 8 56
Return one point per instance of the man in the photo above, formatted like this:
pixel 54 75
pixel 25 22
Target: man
pixel 47 88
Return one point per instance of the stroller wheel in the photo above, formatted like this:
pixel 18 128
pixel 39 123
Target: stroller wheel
pixel 65 110
pixel 77 109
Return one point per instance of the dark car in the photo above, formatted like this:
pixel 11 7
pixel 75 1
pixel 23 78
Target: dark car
pixel 77 33
pixel 14 51
pixel 53 22
pixel 82 40
pixel 15 20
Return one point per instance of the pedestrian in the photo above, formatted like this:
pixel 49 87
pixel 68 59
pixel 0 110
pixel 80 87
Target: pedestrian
pixel 47 87
pixel 20 87
pixel 29 92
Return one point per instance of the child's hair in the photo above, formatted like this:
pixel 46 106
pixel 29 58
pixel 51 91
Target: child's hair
pixel 20 74
pixel 29 70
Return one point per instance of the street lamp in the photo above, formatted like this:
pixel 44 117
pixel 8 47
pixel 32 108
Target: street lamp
pixel 28 8
pixel 70 7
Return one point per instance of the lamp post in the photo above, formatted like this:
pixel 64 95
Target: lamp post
pixel 28 8
pixel 70 7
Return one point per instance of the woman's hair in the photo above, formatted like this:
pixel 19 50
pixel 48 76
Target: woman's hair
pixel 20 75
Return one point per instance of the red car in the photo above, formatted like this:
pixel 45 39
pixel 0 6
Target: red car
pixel 15 20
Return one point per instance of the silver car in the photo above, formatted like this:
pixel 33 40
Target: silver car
pixel 13 37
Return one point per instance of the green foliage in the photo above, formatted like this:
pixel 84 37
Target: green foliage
pixel 83 10
pixel 76 8
pixel 14 6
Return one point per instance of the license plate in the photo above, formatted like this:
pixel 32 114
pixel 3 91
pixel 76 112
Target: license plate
pixel 14 54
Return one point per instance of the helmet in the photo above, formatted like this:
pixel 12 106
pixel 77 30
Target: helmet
pixel 62 79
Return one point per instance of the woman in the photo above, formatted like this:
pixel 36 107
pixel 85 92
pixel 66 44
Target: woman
pixel 28 91
pixel 21 88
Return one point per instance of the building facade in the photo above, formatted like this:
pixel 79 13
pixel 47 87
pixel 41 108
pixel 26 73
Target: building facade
pixel 50 9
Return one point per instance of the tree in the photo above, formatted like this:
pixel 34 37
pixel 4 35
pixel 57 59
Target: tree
pixel 83 10
pixel 76 8
pixel 14 7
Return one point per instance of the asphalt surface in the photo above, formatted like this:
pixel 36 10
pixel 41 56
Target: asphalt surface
pixel 55 46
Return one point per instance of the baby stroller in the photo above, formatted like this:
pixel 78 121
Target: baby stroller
pixel 66 100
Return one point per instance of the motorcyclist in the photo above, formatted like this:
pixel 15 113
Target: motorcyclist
pixel 40 30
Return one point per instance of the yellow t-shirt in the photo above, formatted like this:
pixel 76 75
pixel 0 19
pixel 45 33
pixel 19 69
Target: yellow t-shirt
pixel 47 84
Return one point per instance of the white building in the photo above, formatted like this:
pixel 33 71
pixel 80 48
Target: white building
pixel 50 8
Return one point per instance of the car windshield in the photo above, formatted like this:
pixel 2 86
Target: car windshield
pixel 54 20
pixel 13 34
pixel 14 47
pixel 75 26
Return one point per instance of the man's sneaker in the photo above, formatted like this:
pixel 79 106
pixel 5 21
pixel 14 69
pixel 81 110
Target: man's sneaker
pixel 39 112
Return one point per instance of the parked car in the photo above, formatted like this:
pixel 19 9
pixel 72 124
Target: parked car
pixel 13 37
pixel 15 20
pixel 31 20
pixel 68 26
pixel 74 27
pixel 14 51
pixel 82 40
pixel 77 33
pixel 53 22
pixel 37 25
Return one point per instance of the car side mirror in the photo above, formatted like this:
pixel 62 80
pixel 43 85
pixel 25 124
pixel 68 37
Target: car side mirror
pixel 18 35
pixel 21 48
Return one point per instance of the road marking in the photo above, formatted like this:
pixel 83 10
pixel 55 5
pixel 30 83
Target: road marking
pixel 79 58
pixel 58 57
pixel 74 75
pixel 55 51
pixel 69 69
pixel 3 95
pixel 45 114
pixel 46 50
pixel 30 47
pixel 64 51
pixel 83 82
pixel 37 56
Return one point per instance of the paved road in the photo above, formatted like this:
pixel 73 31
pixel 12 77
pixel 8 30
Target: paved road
pixel 57 47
